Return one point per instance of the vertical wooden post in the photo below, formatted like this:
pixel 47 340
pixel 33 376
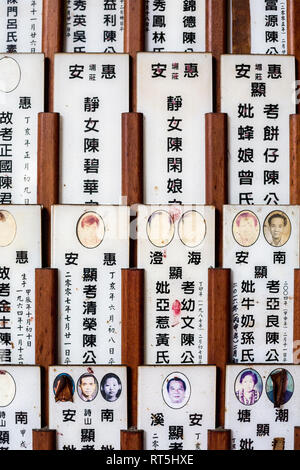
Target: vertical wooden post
pixel 48 175
pixel 295 159
pixel 219 321
pixel 297 438
pixel 241 27
pixel 293 30
pixel 52 42
pixel 134 38
pixel 45 330
pixel 216 172
pixel 219 439
pixel 132 333
pixel 43 439
pixel 132 439
pixel 296 348
pixel 216 41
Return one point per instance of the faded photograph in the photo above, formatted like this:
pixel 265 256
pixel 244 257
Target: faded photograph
pixel 248 387
pixel 63 388
pixel 90 230
pixel 277 228
pixel 246 228
pixel 87 387
pixel 8 228
pixel 192 228
pixel 110 387
pixel 7 388
pixel 160 228
pixel 176 390
pixel 280 387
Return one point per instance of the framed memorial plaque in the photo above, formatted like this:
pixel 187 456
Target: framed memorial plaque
pixel 261 26
pixel 94 26
pixel 90 245
pixel 262 406
pixel 176 406
pixel 21 25
pixel 91 91
pixel 88 406
pixel 20 406
pixel 258 129
pixel 20 255
pixel 174 91
pixel 175 25
pixel 21 99
pixel 261 247
pixel 176 248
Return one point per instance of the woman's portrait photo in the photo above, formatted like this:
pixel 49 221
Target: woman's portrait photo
pixel 176 390
pixel 248 387
pixel 160 228
pixel 277 228
pixel 7 388
pixel 63 387
pixel 246 228
pixel 111 387
pixel 90 230
pixel 192 228
pixel 8 228
pixel 280 387
pixel 87 387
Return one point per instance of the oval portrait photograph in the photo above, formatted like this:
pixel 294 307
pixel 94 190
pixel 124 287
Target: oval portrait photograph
pixel 280 387
pixel 87 387
pixel 63 387
pixel 111 387
pixel 277 228
pixel 192 228
pixel 8 228
pixel 7 388
pixel 176 390
pixel 246 228
pixel 160 228
pixel 90 229
pixel 248 387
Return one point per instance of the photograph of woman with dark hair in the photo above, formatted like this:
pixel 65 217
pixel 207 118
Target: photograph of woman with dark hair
pixel 111 387
pixel 248 387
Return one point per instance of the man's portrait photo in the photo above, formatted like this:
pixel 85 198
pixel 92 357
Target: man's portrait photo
pixel 90 230
pixel 160 228
pixel 63 388
pixel 110 387
pixel 87 387
pixel 8 228
pixel 176 390
pixel 7 388
pixel 280 387
pixel 192 228
pixel 277 228
pixel 246 228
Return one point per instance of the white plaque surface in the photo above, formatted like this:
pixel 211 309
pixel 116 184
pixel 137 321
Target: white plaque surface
pixel 21 25
pixel 176 248
pixel 94 26
pixel 261 247
pixel 257 94
pixel 21 99
pixel 88 406
pixel 91 91
pixel 176 406
pixel 90 245
pixel 262 406
pixel 20 406
pixel 175 25
pixel 174 91
pixel 20 255
pixel 268 26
